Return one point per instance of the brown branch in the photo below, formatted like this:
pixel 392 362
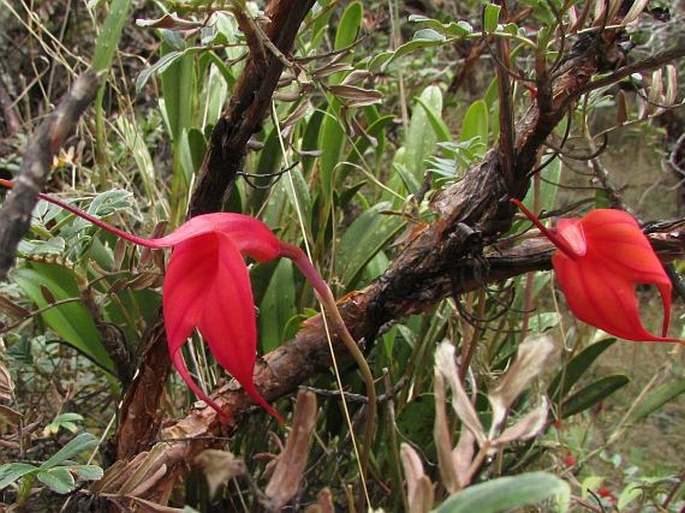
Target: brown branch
pixel 651 62
pixel 249 104
pixel 43 145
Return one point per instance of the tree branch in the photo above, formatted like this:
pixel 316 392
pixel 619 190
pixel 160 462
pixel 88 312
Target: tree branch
pixel 15 217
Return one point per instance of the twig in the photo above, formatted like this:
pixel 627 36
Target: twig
pixel 358 398
pixel 651 62
pixel 43 145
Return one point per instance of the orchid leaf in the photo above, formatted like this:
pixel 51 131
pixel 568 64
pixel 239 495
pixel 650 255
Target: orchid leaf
pixel 69 319
pixel 580 363
pixel 592 394
pixel 505 493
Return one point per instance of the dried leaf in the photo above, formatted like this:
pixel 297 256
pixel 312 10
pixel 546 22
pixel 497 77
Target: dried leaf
pixel 146 473
pixel 324 503
pixel 331 68
pixel 444 362
pixel 145 280
pixel 671 85
pixel 145 506
pixel 419 487
pixel 443 438
pixel 656 88
pixel 286 96
pixel 527 427
pixel 293 460
pixel 6 384
pixel 219 467
pixel 12 309
pixel 356 96
pixel 297 114
pixel 462 456
pixel 9 416
pixel 119 254
pixel 634 12
pixel 169 22
pixel 622 108
pixel 532 357
pixel 356 76
pixel 47 295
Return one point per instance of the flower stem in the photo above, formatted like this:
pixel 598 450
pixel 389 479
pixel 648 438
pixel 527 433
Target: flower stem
pixel 326 296
pixel 553 238
pixel 140 241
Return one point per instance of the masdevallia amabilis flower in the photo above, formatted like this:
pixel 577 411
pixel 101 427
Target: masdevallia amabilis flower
pixel 599 259
pixel 207 286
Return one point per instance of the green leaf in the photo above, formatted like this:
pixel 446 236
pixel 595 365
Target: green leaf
pixel 415 423
pixel 491 17
pixel 108 39
pixel 437 124
pixel 576 368
pixel 451 29
pixel 421 138
pixel 657 398
pixel 475 122
pixel 628 495
pixel 426 38
pixel 548 186
pixel 277 306
pixel 505 493
pixel 75 446
pixel 331 140
pixel 87 472
pixel 10 472
pixel 592 394
pixel 71 321
pixel 178 80
pixel 365 237
pixel 162 64
pixel 58 479
pixel 105 45
pixel 301 199
pixel 349 25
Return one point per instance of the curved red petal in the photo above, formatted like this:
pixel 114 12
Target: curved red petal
pixel 602 298
pixel 191 264
pixel 182 299
pixel 207 286
pixel 615 236
pixel 228 319
pixel 571 231
pixel 251 236
pixel 182 369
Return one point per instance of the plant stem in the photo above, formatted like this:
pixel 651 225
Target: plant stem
pixel 327 299
pixel 554 239
pixel 140 241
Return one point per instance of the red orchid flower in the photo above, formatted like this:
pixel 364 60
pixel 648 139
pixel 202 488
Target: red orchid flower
pixel 207 286
pixel 599 260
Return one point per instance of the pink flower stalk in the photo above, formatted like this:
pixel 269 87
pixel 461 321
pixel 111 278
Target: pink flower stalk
pixel 207 286
pixel 599 260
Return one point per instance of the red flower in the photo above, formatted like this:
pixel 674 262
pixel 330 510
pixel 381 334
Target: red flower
pixel 207 286
pixel 599 260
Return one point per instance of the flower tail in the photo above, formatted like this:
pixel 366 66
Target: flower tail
pixel 140 241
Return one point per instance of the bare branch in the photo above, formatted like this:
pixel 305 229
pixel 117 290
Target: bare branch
pixel 43 145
